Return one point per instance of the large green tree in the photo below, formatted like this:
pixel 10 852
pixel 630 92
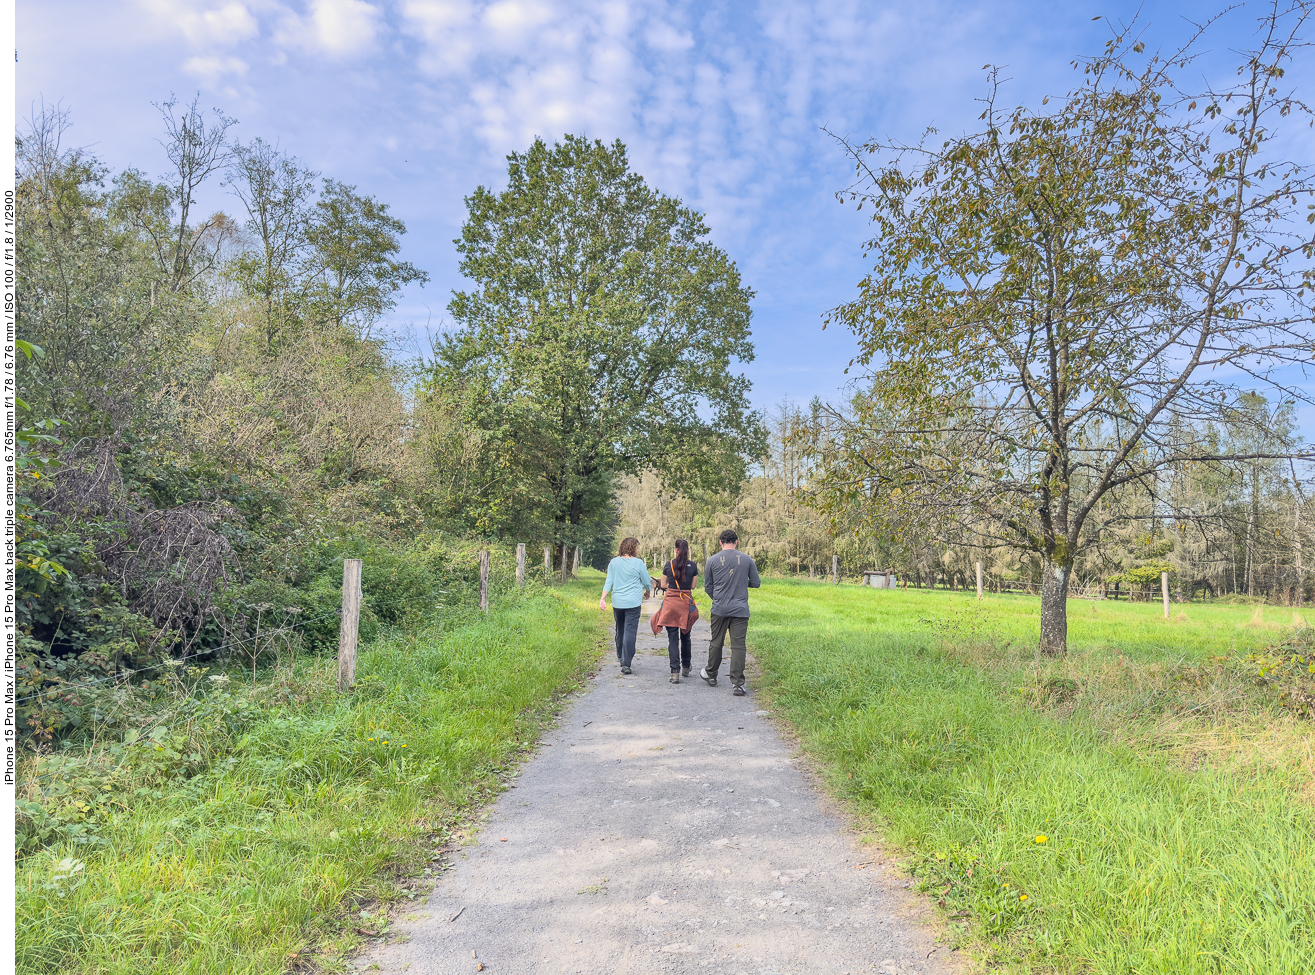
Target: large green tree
pixel 601 335
pixel 355 273
pixel 1065 300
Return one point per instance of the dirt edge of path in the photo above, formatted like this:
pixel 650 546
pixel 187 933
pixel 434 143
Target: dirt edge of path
pixel 413 889
pixel 896 879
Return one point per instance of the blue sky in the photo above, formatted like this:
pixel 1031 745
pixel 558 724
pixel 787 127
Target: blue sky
pixel 720 103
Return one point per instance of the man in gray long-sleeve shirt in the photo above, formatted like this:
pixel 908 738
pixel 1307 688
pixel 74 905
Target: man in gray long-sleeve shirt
pixel 727 578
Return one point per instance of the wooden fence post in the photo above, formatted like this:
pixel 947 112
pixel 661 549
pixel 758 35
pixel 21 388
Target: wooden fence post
pixel 547 563
pixel 1164 589
pixel 520 565
pixel 350 622
pixel 979 580
pixel 484 580
pixel 835 569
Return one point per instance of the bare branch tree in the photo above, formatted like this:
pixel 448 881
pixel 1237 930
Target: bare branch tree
pixel 198 149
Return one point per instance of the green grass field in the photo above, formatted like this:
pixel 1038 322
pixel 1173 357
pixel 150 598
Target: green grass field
pixel 1145 805
pixel 1175 795
pixel 242 841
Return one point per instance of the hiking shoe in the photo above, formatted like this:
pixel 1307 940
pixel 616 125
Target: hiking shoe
pixel 684 671
pixel 625 670
pixel 710 681
pixel 739 690
pixel 674 678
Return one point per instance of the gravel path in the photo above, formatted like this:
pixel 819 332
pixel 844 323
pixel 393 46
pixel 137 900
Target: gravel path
pixel 664 828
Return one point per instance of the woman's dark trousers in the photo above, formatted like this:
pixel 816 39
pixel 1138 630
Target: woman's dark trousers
pixel 678 648
pixel 627 627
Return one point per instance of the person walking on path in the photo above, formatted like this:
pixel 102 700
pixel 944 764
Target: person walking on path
pixel 628 581
pixel 678 613
pixel 727 577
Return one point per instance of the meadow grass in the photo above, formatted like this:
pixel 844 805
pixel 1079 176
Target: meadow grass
pixel 281 840
pixel 1094 814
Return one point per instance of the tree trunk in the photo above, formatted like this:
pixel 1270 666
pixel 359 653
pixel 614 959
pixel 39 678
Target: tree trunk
pixel 1054 607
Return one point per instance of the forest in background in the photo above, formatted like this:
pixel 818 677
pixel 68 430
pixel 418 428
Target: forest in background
pixel 1227 530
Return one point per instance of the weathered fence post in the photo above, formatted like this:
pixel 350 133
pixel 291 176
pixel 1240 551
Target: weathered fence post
pixel 1164 589
pixel 520 565
pixel 979 580
pixel 484 580
pixel 835 569
pixel 547 563
pixel 350 622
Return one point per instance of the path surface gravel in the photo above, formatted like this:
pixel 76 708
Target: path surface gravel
pixel 664 828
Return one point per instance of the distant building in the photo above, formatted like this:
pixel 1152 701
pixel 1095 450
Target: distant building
pixel 880 578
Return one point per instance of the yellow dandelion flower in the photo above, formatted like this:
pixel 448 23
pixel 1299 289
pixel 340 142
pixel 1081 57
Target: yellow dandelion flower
pixel 1022 897
pixel 1040 839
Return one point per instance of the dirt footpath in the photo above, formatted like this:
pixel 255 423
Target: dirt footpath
pixel 664 828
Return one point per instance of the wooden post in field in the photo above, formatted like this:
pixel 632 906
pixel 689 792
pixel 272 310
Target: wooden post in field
pixel 1164 589
pixel 484 580
pixel 575 565
pixel 520 565
pixel 547 562
pixel 350 622
pixel 705 551
pixel 835 569
pixel 979 580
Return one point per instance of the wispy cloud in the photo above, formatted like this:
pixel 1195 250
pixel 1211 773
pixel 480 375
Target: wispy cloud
pixel 721 102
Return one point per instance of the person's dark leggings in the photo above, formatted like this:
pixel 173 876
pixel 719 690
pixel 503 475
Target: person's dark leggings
pixel 627 627
pixel 678 648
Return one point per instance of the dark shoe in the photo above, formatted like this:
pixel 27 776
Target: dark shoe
pixel 625 670
pixel 710 681
pixel 684 671
pixel 739 690
pixel 674 678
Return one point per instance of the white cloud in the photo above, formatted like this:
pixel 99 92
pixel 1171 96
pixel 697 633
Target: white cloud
pixel 442 26
pixel 204 25
pixel 516 17
pixel 211 69
pixel 344 27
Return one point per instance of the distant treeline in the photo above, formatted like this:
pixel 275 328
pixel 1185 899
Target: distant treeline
pixel 1241 529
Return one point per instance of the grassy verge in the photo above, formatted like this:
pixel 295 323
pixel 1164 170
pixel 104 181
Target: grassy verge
pixel 1143 806
pixel 263 826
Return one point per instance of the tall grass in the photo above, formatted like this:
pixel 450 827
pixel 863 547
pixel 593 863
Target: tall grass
pixel 1047 811
pixel 267 840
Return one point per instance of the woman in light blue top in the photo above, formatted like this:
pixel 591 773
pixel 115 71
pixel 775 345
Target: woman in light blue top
pixel 629 582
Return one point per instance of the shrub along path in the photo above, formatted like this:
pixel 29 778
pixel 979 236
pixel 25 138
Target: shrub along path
pixel 664 828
